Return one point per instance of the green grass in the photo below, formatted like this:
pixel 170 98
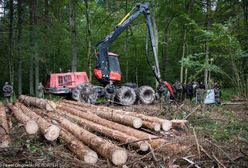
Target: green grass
pixel 220 130
pixel 228 93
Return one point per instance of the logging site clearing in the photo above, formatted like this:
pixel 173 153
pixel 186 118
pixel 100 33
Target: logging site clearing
pixel 38 132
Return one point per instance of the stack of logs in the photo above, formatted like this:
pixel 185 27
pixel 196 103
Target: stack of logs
pixel 76 123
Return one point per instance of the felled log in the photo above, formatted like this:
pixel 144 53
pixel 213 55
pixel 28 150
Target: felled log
pixel 4 129
pixel 81 112
pixel 30 125
pixel 50 131
pixel 112 133
pixel 37 102
pixel 148 121
pixel 78 148
pixel 151 125
pixel 116 117
pixel 115 154
pixel 165 124
pixel 180 125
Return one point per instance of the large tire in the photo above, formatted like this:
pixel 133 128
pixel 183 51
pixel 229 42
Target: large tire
pixel 146 94
pixel 76 92
pixel 126 96
pixel 89 93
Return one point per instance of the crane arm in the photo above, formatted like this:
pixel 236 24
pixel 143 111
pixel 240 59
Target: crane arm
pixel 124 23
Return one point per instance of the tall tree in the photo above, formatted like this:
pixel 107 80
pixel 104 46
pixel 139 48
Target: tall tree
pixel 31 47
pixel 208 8
pixel 11 52
pixel 36 54
pixel 19 36
pixel 73 35
pixel 126 44
pixel 88 37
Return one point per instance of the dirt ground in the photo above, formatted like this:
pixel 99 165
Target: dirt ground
pixel 217 137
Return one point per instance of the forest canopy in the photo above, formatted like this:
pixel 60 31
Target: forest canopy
pixel 200 40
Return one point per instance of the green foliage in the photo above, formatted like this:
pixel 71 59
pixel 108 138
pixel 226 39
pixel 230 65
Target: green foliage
pixel 227 36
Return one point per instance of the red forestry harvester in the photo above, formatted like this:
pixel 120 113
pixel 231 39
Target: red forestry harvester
pixel 108 71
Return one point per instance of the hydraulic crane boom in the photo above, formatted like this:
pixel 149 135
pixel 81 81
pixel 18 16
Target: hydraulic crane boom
pixel 103 71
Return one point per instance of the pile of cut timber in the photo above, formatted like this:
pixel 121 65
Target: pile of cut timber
pixel 89 130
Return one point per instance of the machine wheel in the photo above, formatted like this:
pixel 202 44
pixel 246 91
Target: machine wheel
pixel 146 94
pixel 76 92
pixel 88 94
pixel 126 95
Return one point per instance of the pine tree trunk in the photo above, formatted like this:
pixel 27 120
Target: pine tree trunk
pixel 207 46
pixel 37 102
pixel 113 116
pixel 88 37
pixel 4 128
pixel 19 36
pixel 31 47
pixel 88 113
pixel 183 55
pixel 73 35
pixel 30 125
pixel 76 110
pixel 115 154
pixel 126 46
pixel 112 133
pixel 11 52
pixel 50 131
pixel 82 151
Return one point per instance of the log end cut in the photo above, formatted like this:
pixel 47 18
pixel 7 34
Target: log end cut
pixel 91 157
pixel 119 157
pixel 166 125
pixel 157 127
pixel 137 123
pixel 31 127
pixel 4 144
pixel 52 133
pixel 144 146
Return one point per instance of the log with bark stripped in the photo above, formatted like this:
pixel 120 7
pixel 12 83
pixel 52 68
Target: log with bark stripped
pixel 112 133
pixel 49 130
pixel 30 125
pixel 148 121
pixel 115 154
pixel 37 102
pixel 116 117
pixel 86 114
pixel 4 128
pixel 78 148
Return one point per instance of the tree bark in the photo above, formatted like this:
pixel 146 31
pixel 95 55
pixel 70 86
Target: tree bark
pixel 165 124
pixel 126 45
pixel 73 35
pixel 4 128
pixel 50 131
pixel 88 37
pixel 30 125
pixel 115 154
pixel 112 133
pixel 19 36
pixel 116 117
pixel 78 148
pixel 31 47
pixel 207 45
pixel 11 52
pixel 79 107
pixel 37 102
